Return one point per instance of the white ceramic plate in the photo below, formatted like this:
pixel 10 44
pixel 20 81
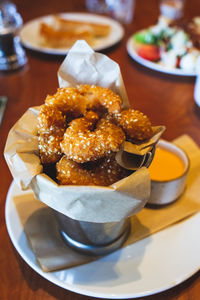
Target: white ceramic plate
pixel 154 66
pixel 149 266
pixel 30 36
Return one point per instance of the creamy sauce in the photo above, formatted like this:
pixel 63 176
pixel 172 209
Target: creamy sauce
pixel 166 165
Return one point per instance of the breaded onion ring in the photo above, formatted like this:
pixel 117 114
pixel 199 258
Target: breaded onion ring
pixel 51 128
pixel 49 148
pixel 69 101
pixel 135 124
pixel 83 142
pixel 78 100
pixel 98 98
pixel 104 172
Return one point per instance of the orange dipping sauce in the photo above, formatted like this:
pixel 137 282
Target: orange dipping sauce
pixel 166 165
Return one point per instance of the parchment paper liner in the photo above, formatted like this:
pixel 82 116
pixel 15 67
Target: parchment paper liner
pixel 85 203
pixel 53 254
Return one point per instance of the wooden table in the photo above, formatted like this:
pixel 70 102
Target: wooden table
pixel 166 99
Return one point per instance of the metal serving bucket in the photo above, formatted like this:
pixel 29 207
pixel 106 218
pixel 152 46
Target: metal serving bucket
pixel 93 238
pixel 96 238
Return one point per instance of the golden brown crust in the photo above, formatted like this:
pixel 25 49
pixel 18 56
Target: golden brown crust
pixel 95 29
pixel 68 101
pixel 103 172
pixel 71 103
pixel 63 33
pixel 98 98
pixel 49 147
pixel 82 128
pixel 135 124
pixel 57 38
pixel 81 143
pixel 51 128
pixel 50 119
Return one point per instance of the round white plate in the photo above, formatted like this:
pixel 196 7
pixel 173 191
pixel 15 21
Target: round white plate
pixel 154 66
pixel 149 266
pixel 30 36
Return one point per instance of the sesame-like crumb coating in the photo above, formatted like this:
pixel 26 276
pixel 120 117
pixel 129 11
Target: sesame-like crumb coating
pixel 135 124
pixel 80 129
pixel 104 172
pixel 85 97
pixel 50 119
pixel 81 143
pixel 51 128
pixel 98 98
pixel 68 101
pixel 49 147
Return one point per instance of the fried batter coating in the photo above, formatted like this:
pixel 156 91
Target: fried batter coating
pixel 69 101
pixel 99 98
pixel 97 127
pixel 84 142
pixel 135 124
pixel 50 119
pixel 51 128
pixel 49 148
pixel 104 172
pixel 78 100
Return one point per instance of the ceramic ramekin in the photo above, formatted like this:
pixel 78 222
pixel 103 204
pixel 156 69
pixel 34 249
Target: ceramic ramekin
pixel 167 191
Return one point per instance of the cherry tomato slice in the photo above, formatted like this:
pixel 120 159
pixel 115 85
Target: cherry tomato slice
pixel 149 52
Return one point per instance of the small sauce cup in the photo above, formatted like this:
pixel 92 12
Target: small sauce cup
pixel 168 173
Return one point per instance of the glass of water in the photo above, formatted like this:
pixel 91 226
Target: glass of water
pixel 172 9
pixel 122 10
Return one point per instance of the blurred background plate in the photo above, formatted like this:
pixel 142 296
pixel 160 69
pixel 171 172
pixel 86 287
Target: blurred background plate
pixel 154 66
pixel 30 35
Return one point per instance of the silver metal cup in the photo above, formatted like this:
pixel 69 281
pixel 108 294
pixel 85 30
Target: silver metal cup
pixel 93 238
pixel 96 238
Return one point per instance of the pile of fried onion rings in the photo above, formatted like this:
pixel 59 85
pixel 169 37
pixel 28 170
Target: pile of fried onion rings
pixel 80 130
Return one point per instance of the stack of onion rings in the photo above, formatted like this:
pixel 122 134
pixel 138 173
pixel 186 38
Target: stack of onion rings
pixel 80 130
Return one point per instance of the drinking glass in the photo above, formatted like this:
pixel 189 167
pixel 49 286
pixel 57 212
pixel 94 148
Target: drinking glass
pixel 173 9
pixel 122 10
pixel 12 55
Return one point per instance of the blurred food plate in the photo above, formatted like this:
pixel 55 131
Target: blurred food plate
pixel 55 34
pixel 156 66
pixel 169 46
